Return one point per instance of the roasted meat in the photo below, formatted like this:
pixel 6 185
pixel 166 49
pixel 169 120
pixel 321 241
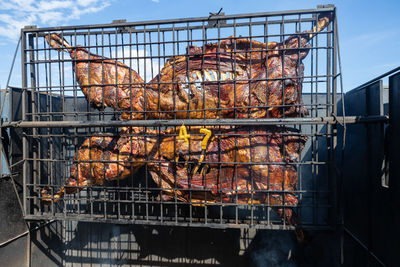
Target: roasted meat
pixel 236 77
pixel 238 165
pixel 104 82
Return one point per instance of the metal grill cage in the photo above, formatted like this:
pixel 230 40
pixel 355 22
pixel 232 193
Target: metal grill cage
pixel 55 118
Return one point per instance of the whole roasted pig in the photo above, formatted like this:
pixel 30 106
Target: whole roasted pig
pixel 234 78
pixel 239 165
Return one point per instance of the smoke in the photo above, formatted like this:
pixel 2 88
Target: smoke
pixel 273 248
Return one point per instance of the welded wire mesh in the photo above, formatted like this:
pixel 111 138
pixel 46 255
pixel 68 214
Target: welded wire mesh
pixel 102 142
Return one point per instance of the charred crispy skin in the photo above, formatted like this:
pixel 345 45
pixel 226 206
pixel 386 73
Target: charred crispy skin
pixel 175 167
pixel 236 77
pixel 104 82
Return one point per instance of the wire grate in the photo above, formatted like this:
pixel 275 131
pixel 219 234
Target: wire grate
pixel 203 121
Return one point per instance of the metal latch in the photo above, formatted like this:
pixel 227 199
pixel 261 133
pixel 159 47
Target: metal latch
pixel 213 19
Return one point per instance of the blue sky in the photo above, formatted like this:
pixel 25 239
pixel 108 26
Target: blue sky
pixel 369 30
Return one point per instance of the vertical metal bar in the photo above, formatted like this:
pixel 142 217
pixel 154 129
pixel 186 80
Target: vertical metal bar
pixel 38 149
pixel 333 50
pixel 89 190
pixel 64 139
pixel 328 73
pixel 49 112
pixel 219 115
pixel 252 186
pixel 313 113
pixel 189 113
pixel 151 56
pixel 75 112
pixel 203 90
pixel 47 53
pixel 235 115
pixel 334 177
pixel 145 116
pixel 62 96
pixel 49 96
pixel 266 39
pixel 299 166
pixel 174 109
pixel 24 118
pixel 282 36
pixel 317 127
pixel 117 46
pixel 159 114
pixel 331 143
pixel 33 112
pixel 130 115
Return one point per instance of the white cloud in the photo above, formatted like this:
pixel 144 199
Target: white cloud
pixel 52 5
pixel 156 1
pixel 15 14
pixel 51 17
pixel 77 12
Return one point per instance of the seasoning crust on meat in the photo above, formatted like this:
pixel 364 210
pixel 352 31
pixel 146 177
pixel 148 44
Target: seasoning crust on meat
pixel 241 165
pixel 234 78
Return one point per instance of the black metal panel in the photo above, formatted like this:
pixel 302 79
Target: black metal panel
pixel 379 211
pixel 394 122
pixel 367 203
pixel 394 182
pixel 354 162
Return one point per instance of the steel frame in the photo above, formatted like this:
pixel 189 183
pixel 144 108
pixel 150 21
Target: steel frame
pixel 38 125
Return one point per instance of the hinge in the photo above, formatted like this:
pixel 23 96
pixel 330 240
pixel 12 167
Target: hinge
pixel 118 21
pixel 326 6
pixel 30 27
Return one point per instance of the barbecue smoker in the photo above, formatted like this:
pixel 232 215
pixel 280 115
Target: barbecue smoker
pixel 221 121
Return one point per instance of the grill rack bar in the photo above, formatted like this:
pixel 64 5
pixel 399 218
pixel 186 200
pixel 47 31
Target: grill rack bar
pixel 206 122
pixel 154 221
pixel 326 8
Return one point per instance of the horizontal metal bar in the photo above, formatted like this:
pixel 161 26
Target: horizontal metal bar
pixel 48 90
pixel 184 20
pixel 242 224
pixel 155 161
pixel 207 122
pixel 42 61
pixel 132 30
pixel 181 204
pixel 135 189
